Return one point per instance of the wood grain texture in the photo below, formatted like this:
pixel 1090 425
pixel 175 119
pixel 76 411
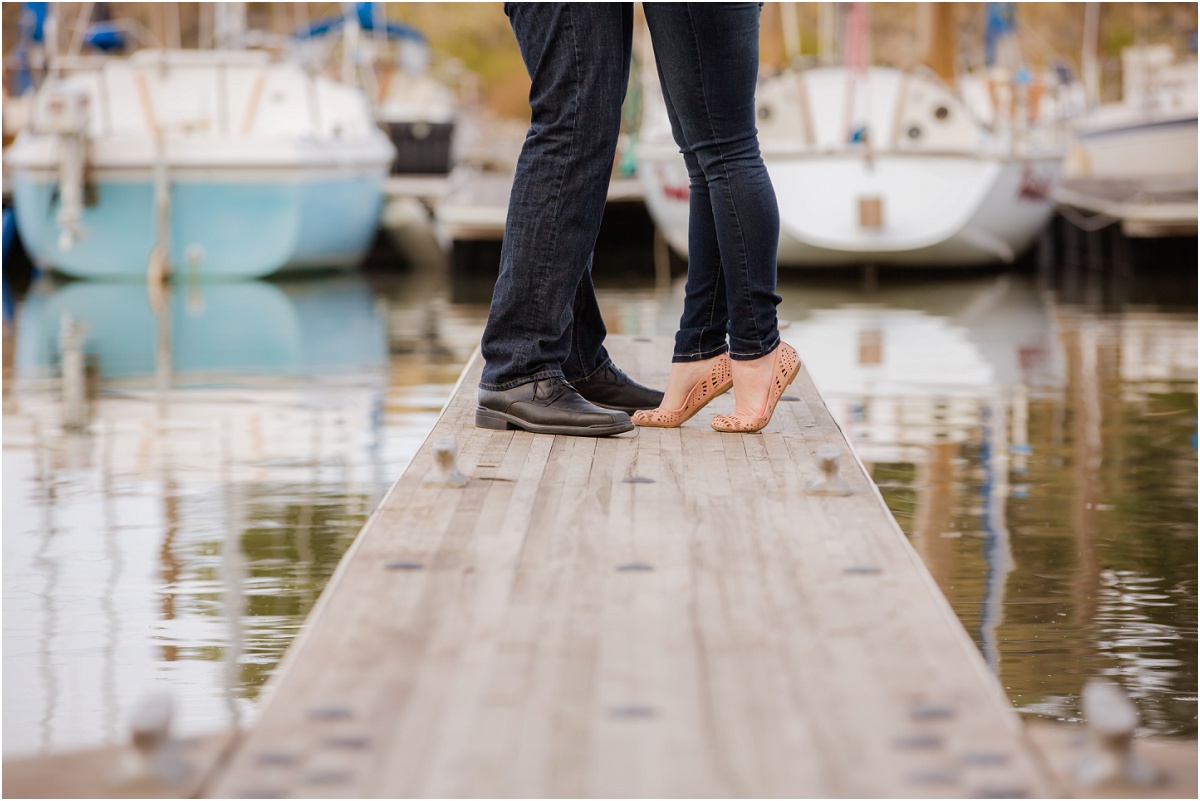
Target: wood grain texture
pixel 555 629
pixel 117 771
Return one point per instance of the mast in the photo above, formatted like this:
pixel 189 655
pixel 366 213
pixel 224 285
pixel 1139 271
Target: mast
pixel 827 33
pixel 229 25
pixel 939 43
pixel 1088 64
pixel 791 31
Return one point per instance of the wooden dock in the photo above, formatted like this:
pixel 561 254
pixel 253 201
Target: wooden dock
pixel 117 771
pixel 665 613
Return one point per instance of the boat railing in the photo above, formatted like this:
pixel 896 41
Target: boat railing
pixel 227 121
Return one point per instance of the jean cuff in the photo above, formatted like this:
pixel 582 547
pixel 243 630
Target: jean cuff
pixel 751 352
pixel 699 357
pixel 528 380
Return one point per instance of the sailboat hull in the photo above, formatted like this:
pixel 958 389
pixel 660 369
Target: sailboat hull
pixel 949 210
pixel 236 165
pixel 241 226
pixel 877 166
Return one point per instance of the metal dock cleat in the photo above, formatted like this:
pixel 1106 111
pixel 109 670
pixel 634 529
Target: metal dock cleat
pixel 445 472
pixel 830 483
pixel 156 756
pixel 1111 720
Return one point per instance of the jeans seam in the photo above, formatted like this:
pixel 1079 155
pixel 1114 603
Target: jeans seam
pixel 700 356
pixel 597 371
pixel 570 154
pixel 578 342
pixel 562 173
pixel 712 307
pixel 713 134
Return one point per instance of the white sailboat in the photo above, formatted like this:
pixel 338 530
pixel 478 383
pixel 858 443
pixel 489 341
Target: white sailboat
pixel 872 165
pixel 211 163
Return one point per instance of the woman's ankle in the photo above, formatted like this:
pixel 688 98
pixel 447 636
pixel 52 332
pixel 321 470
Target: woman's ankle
pixel 684 376
pixel 752 383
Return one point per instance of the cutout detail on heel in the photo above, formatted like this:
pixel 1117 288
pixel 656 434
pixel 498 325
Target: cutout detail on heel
pixel 716 381
pixel 787 367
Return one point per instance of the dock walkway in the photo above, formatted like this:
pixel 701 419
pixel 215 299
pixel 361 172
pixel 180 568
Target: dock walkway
pixel 664 613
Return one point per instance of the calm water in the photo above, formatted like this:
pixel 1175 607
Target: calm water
pixel 1041 457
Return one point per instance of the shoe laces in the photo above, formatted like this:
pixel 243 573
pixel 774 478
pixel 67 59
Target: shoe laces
pixel 557 386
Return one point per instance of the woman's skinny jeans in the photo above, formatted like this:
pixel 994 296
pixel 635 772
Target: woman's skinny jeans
pixel 707 55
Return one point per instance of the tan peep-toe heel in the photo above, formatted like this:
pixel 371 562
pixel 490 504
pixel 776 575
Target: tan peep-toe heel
pixel 787 366
pixel 718 379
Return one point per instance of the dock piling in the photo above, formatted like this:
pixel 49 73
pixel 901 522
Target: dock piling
pixel 74 372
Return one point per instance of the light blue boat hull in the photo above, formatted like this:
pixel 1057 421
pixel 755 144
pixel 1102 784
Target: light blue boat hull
pixel 312 327
pixel 218 229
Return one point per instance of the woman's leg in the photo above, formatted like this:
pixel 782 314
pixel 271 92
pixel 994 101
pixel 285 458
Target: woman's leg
pixel 700 339
pixel 707 57
pixel 702 327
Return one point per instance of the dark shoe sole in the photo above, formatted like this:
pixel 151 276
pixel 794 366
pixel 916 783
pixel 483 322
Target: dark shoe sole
pixel 626 409
pixel 499 421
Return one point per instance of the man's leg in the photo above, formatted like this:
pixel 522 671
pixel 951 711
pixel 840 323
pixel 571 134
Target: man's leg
pixel 587 365
pixel 577 55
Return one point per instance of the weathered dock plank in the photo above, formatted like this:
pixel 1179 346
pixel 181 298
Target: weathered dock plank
pixel 118 771
pixel 666 613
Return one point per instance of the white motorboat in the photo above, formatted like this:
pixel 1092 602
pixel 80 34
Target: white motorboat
pixel 220 163
pixel 419 114
pixel 1134 161
pixel 878 166
pixel 1151 132
pixel 391 62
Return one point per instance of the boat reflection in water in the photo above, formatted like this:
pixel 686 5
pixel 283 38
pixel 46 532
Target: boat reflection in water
pixel 233 445
pixel 249 328
pixel 912 388
pixel 1041 459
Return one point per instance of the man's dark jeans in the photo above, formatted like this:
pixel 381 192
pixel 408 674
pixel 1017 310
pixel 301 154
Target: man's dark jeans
pixel 707 55
pixel 544 319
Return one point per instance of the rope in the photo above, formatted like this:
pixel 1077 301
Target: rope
pixel 1094 222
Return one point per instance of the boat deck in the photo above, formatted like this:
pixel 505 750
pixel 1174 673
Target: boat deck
pixel 475 204
pixel 663 613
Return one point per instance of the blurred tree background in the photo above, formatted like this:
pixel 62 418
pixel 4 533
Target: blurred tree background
pixel 477 37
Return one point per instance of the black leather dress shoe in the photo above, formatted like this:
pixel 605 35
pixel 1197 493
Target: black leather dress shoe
pixel 612 389
pixel 548 406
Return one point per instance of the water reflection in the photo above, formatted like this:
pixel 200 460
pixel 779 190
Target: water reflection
pixel 1111 506
pixel 1041 457
pixel 916 371
pixel 251 328
pixel 181 536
